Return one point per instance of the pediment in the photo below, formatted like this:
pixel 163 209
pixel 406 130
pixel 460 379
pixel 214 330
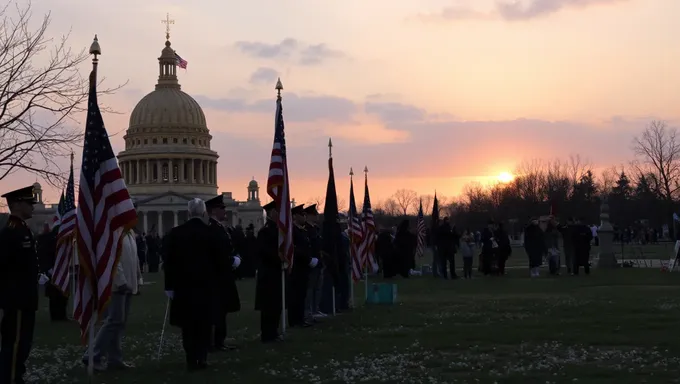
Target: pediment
pixel 168 198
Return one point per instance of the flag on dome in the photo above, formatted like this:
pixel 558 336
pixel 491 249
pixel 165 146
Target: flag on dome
pixel 180 61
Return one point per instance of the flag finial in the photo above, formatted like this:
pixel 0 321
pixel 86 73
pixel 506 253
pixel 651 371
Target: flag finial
pixel 330 147
pixel 351 172
pixel 71 159
pixel 95 50
pixel 167 23
pixel 366 170
pixel 279 87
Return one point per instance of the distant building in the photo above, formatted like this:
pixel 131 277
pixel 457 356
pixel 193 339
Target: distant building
pixel 168 159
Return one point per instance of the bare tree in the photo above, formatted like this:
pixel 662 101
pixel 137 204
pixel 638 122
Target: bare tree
pixel 390 207
pixel 658 152
pixel 404 199
pixel 608 179
pixel 427 200
pixel 38 101
pixel 342 205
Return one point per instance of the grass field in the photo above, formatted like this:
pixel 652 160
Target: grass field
pixel 614 326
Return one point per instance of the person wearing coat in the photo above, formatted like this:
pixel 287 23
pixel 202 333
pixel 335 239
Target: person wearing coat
pixel 268 289
pixel 581 238
pixel 405 248
pixel 228 300
pixel 534 245
pixel 192 266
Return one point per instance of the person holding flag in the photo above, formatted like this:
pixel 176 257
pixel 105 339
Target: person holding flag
pixel 268 289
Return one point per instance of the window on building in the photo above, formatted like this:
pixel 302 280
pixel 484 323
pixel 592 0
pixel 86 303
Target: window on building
pixel 165 140
pixel 146 141
pixel 165 173
pixel 175 173
pixel 193 141
pixel 184 141
pixel 174 140
pixel 155 141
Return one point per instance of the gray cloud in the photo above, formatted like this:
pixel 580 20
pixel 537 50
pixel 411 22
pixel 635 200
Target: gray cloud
pixel 304 54
pixel 511 10
pixel 264 75
pixel 296 108
pixel 391 112
pixel 267 51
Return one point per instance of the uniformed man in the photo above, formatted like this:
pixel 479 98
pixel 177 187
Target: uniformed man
pixel 315 284
pixel 19 279
pixel 269 290
pixel 298 280
pixel 228 298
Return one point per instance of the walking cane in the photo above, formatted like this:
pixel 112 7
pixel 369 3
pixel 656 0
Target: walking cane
pixel 165 321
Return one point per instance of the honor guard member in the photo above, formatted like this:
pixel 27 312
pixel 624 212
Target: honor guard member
pixel 19 279
pixel 303 261
pixel 313 297
pixel 228 299
pixel 269 289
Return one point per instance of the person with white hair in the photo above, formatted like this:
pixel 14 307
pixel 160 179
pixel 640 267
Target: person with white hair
pixel 192 266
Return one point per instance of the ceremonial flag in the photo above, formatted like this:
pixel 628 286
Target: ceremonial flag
pixel 105 212
pixel 331 228
pixel 356 234
pixel 369 231
pixel 278 187
pixel 181 62
pixel 56 219
pixel 420 232
pixel 65 236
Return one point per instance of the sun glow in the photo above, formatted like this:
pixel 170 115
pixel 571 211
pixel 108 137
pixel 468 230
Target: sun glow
pixel 505 177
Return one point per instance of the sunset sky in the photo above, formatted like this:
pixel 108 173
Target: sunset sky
pixel 429 94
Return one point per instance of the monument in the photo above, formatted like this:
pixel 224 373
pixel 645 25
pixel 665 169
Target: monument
pixel 607 259
pixel 168 160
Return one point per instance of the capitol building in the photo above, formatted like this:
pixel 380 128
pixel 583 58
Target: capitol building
pixel 167 159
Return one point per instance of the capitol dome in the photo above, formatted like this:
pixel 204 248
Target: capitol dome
pixel 167 143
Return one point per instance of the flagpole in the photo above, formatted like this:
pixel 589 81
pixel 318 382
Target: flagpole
pixel 95 50
pixel 367 250
pixel 350 233
pixel 279 88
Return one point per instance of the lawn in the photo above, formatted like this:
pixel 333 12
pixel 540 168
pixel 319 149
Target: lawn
pixel 611 327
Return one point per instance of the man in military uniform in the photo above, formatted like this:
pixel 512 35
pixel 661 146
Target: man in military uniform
pixel 298 279
pixel 228 300
pixel 269 289
pixel 313 297
pixel 19 279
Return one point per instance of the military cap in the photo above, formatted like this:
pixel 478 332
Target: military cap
pixel 215 202
pixel 299 210
pixel 311 210
pixel 23 194
pixel 269 206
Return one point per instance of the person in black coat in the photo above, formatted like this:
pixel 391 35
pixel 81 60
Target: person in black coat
pixel 534 245
pixel 384 250
pixel 489 246
pixel 504 249
pixel 47 253
pixel 19 279
pixel 192 266
pixel 298 279
pixel 228 300
pixel 405 248
pixel 447 245
pixel 581 238
pixel 268 289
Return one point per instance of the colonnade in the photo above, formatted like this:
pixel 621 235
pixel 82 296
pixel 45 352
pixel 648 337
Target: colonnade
pixel 169 170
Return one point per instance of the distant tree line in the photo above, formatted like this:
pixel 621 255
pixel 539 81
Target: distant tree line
pixel 644 191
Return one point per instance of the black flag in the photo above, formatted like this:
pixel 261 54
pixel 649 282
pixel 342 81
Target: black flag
pixel 331 231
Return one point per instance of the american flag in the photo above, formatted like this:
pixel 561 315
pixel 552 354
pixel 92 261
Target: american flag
pixel 180 61
pixel 355 231
pixel 56 219
pixel 420 232
pixel 369 233
pixel 65 235
pixel 278 188
pixel 105 212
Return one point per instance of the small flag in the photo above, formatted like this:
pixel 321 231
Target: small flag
pixel 65 236
pixel 180 61
pixel 369 231
pixel 355 231
pixel 420 232
pixel 56 219
pixel 331 228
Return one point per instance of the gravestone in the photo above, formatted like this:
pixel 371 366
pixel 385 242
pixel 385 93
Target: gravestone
pixel 606 236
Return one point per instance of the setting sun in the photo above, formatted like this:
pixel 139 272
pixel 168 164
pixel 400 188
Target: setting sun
pixel 505 177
